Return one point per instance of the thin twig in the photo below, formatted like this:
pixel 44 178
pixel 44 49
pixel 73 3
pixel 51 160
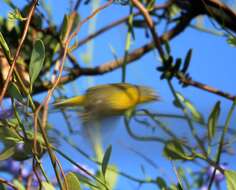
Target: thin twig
pixel 26 28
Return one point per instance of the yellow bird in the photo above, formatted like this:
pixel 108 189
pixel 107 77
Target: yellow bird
pixel 110 100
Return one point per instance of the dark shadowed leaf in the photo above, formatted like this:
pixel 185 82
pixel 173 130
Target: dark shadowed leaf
pixel 106 159
pixel 36 60
pixel 5 46
pixel 161 183
pixel 187 60
pixel 232 41
pixel 14 92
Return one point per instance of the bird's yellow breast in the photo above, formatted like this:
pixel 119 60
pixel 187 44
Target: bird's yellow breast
pixel 124 99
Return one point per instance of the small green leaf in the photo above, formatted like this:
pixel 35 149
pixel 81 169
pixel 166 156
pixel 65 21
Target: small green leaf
pixel 230 179
pixel 16 15
pixel 167 48
pixel 178 62
pixel 112 176
pixel 196 115
pixel 47 186
pixel 36 60
pixel 174 10
pixel 18 184
pixel 129 113
pixel 64 27
pixel 72 182
pixel 7 133
pixel 150 5
pixel 212 120
pixel 232 41
pixel 76 21
pixel 5 46
pixel 7 153
pixel 161 183
pixel 173 150
pixel 14 92
pixel 187 60
pixel 105 159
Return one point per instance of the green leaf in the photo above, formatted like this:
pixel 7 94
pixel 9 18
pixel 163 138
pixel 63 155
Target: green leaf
pixel 7 153
pixel 150 5
pixel 167 48
pixel 47 186
pixel 36 60
pixel 112 176
pixel 178 62
pixel 232 41
pixel 173 150
pixel 76 21
pixel 110 181
pixel 64 27
pixel 15 15
pixel 5 46
pixel 161 183
pixel 105 159
pixel 212 120
pixel 230 179
pixel 187 60
pixel 129 113
pixel 173 10
pixel 8 134
pixel 14 92
pixel 18 184
pixel 196 114
pixel 72 182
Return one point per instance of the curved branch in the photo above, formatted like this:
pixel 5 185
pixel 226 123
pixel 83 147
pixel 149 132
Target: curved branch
pixel 136 54
pixel 215 9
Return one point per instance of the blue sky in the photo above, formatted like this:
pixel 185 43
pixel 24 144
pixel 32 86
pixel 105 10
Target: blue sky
pixel 213 63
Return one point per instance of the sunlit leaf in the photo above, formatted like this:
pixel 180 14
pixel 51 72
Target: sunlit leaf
pixel 7 153
pixel 47 186
pixel 173 150
pixel 72 182
pixel 19 185
pixel 174 10
pixel 230 179
pixel 195 113
pixel 64 27
pixel 212 120
pixel 111 176
pixel 15 15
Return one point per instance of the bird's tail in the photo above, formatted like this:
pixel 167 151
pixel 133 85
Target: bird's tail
pixel 74 101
